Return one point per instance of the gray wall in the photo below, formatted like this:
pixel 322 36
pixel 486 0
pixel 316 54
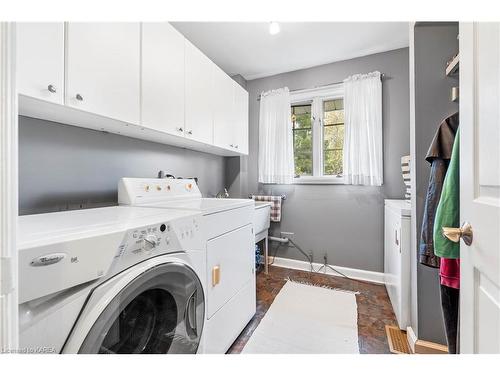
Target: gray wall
pixel 345 222
pixel 65 167
pixel 434 45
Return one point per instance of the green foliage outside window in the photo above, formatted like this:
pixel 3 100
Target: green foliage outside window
pixel 333 138
pixel 302 139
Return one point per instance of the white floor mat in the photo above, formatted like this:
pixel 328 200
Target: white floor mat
pixel 307 319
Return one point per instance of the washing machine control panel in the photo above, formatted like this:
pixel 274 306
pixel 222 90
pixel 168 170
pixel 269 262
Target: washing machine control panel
pixel 141 243
pixel 138 191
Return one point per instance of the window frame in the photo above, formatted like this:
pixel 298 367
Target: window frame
pixel 316 97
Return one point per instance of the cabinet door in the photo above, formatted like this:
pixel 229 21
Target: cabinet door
pixel 223 109
pixel 199 111
pixel 103 69
pixel 241 120
pixel 162 78
pixel 40 60
pixel 230 265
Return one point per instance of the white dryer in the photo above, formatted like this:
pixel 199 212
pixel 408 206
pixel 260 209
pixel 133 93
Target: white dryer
pixel 230 251
pixel 111 280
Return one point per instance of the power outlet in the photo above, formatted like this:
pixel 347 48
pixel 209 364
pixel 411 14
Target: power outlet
pixel 287 235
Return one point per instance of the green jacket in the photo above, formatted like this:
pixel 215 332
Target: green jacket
pixel 448 211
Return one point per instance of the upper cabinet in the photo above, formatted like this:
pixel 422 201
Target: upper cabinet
pixel 139 80
pixel 162 78
pixel 241 119
pixel 230 113
pixel 199 103
pixel 103 69
pixel 40 60
pixel 223 92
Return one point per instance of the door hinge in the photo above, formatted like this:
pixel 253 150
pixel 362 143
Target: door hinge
pixel 6 276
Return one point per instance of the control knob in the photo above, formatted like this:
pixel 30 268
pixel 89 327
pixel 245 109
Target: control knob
pixel 149 242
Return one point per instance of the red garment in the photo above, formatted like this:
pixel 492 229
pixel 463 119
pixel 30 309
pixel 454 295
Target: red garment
pixel 449 272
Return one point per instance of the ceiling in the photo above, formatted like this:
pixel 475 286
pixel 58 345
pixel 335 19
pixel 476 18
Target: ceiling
pixel 248 49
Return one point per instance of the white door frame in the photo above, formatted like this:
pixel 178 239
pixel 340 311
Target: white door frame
pixel 8 190
pixel 413 329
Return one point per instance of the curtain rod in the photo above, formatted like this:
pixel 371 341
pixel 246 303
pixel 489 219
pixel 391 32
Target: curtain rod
pixel 382 76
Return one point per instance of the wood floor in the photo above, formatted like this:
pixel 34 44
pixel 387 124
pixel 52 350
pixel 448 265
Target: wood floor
pixel 374 307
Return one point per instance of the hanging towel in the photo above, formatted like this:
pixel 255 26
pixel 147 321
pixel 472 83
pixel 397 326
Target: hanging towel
pixel 448 210
pixel 275 205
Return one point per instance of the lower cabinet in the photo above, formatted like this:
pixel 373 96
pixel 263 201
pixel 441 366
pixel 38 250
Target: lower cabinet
pixel 230 287
pixel 230 265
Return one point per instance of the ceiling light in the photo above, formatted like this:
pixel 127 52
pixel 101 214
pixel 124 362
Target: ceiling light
pixel 274 28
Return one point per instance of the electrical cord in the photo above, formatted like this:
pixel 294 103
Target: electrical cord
pixel 310 260
pixel 275 252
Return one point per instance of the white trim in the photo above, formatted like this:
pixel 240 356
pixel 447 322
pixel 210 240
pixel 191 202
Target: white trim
pixel 318 180
pixel 354 273
pixel 325 92
pixel 412 338
pixel 8 189
pixel 413 187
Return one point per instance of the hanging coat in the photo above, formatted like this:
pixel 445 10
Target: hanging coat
pixel 448 210
pixel 438 156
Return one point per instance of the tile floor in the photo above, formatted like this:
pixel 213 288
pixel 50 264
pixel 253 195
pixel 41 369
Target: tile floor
pixel 374 307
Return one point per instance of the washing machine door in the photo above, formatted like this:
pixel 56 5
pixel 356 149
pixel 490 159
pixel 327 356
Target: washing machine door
pixel 160 311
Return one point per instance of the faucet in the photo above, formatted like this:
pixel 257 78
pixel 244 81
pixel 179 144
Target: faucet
pixel 224 194
pixel 162 174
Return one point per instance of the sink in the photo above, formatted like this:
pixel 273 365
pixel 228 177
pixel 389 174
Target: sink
pixel 261 219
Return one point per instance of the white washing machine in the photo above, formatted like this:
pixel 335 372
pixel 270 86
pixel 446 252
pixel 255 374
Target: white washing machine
pixel 111 280
pixel 230 251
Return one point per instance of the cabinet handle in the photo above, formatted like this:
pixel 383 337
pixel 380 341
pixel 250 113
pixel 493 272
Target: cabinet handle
pixel 52 89
pixel 396 241
pixel 236 146
pixel 190 132
pixel 179 129
pixel 215 275
pixel 79 97
pixel 231 145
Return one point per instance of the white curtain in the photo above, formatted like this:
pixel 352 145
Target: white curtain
pixel 363 158
pixel 275 138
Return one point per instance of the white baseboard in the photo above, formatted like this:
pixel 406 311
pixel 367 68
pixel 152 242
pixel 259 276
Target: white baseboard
pixel 412 338
pixel 375 277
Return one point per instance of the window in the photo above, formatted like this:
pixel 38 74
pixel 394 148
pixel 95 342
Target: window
pixel 302 139
pixel 333 137
pixel 318 135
